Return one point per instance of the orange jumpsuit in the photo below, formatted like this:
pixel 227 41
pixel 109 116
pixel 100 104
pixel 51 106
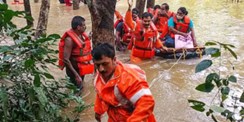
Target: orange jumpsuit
pixel 142 48
pixel 126 96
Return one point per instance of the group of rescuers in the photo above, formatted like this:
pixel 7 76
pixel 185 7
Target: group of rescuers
pixel 121 89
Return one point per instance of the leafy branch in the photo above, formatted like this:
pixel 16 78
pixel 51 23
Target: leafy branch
pixel 221 83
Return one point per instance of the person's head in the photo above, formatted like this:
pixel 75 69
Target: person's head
pixel 156 7
pixel 181 13
pixel 146 19
pixel 78 23
pixel 135 13
pixel 104 59
pixel 165 6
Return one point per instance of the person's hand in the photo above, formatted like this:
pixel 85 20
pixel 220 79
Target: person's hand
pixel 164 49
pixel 163 12
pixel 90 35
pixel 130 3
pixel 195 44
pixel 78 80
pixel 184 34
pixel 98 117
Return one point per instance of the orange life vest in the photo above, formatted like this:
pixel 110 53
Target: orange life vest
pixel 144 48
pixel 181 26
pixel 162 24
pixel 81 52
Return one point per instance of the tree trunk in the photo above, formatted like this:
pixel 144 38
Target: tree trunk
pixel 28 12
pixel 102 16
pixel 150 3
pixel 4 1
pixel 36 1
pixel 76 4
pixel 140 5
pixel 43 18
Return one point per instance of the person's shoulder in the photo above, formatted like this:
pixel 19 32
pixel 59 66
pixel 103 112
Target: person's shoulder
pixel 135 71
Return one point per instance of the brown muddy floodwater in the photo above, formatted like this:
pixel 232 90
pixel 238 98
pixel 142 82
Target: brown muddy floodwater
pixel 172 82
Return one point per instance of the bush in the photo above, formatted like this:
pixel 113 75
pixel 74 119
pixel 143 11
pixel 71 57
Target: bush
pixel 28 92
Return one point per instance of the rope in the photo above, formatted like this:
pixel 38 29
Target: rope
pixel 151 84
pixel 174 50
pixel 199 52
pixel 184 53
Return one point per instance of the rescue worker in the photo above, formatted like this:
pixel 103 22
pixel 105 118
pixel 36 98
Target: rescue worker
pixel 145 34
pixel 122 89
pixel 153 10
pixel 161 20
pixel 123 32
pixel 180 24
pixel 75 52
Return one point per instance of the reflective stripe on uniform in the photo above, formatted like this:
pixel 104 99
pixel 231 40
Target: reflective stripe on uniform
pixel 139 94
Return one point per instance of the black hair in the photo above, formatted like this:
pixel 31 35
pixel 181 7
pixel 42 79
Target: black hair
pixel 135 11
pixel 103 49
pixel 77 20
pixel 183 10
pixel 147 14
pixel 156 7
pixel 166 6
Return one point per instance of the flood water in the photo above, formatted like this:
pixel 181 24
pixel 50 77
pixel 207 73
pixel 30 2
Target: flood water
pixel 172 81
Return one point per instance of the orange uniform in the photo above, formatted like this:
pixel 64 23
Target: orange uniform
pixel 126 96
pixel 142 48
pixel 162 24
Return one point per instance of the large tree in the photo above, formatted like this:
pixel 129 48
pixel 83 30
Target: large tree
pixel 150 3
pixel 28 12
pixel 102 16
pixel 43 18
pixel 140 5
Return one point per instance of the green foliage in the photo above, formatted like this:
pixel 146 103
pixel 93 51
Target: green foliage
pixel 213 80
pixel 28 92
pixel 242 97
pixel 197 105
pixel 203 65
pixel 205 87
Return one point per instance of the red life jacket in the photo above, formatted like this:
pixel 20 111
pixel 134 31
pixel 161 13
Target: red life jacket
pixel 117 22
pixel 81 52
pixel 127 33
pixel 181 26
pixel 145 48
pixel 162 24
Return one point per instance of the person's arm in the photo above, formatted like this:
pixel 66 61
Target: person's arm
pixel 128 17
pixel 118 15
pixel 67 53
pixel 100 108
pixel 139 94
pixel 142 100
pixel 171 26
pixel 155 17
pixel 193 34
